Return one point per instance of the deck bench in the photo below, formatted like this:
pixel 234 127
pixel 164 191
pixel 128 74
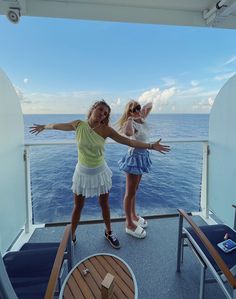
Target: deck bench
pixel 203 241
pixel 34 270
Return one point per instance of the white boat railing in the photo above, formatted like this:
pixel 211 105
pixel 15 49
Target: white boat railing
pixel 66 142
pixel 28 223
pixel 28 145
pixel 204 187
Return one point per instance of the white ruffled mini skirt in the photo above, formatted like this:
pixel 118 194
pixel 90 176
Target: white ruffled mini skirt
pixel 91 181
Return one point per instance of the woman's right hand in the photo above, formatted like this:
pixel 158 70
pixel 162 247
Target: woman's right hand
pixel 157 146
pixel 36 129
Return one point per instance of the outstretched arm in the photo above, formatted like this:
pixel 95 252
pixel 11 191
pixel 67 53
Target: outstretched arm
pixel 146 109
pixel 157 146
pixel 71 126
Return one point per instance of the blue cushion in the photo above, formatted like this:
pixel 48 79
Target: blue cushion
pixel 18 282
pixel 215 234
pixel 27 246
pixel 32 290
pixel 30 263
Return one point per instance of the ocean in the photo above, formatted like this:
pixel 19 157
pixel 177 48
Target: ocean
pixel 174 181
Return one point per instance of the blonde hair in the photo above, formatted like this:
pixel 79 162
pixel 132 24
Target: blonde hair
pixel 126 114
pixel 95 105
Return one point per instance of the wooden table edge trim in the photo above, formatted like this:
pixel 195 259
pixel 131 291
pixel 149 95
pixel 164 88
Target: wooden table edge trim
pixel 97 254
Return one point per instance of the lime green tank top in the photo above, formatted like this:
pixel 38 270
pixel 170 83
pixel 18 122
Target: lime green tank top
pixel 90 145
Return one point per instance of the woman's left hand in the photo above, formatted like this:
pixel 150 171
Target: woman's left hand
pixel 157 146
pixel 36 129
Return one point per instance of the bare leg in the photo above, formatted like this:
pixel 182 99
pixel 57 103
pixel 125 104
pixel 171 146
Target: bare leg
pixel 133 208
pixel 111 237
pixel 104 203
pixel 132 181
pixel 78 206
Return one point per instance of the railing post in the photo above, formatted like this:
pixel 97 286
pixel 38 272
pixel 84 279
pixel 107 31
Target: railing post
pixel 28 204
pixel 180 242
pixel 204 191
pixel 235 219
pixel 202 281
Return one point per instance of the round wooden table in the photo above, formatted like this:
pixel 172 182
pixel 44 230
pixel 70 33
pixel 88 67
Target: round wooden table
pixel 86 277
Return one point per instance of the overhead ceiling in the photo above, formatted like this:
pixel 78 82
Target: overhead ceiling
pixel 202 13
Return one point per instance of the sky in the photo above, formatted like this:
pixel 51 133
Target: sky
pixel 62 66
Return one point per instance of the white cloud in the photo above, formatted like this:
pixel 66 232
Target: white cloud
pixel 116 106
pixel 23 98
pixel 203 106
pixel 194 99
pixel 194 83
pixel 231 60
pixel 175 99
pixel 224 76
pixel 159 98
pixel 189 92
pixel 62 102
pixel 26 80
pixel 210 101
pixel 168 81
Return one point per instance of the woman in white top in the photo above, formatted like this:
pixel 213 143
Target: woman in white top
pixel 135 162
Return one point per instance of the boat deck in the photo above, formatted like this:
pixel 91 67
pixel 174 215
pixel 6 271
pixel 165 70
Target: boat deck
pixel 153 259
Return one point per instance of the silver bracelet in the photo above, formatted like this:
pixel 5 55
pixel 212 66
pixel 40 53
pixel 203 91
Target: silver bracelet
pixel 150 145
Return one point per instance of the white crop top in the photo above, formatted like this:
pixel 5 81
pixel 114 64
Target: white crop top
pixel 141 132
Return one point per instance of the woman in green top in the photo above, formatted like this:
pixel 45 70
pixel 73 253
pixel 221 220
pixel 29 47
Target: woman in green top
pixel 92 176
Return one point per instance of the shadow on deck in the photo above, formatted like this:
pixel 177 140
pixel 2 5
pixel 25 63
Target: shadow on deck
pixel 153 259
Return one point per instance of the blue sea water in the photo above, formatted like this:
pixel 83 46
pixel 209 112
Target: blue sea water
pixel 174 181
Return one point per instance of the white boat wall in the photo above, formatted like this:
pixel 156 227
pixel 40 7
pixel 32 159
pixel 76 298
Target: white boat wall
pixel 12 169
pixel 222 154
